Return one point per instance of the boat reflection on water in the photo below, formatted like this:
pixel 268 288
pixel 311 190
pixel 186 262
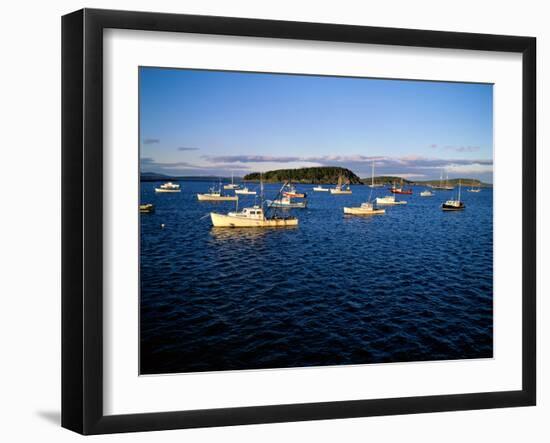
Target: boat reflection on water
pixel 248 234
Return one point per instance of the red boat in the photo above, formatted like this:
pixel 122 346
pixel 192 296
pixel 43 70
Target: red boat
pixel 401 190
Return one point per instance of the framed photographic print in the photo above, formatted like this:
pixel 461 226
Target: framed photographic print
pixel 269 221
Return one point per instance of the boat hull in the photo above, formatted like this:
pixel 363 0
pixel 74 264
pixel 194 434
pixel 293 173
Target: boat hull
pixel 298 205
pixel 397 191
pixel 389 203
pixel 225 221
pixel 167 190
pixel 361 211
pixel 320 190
pixel 222 198
pixel 245 193
pixel 337 192
pixel 445 207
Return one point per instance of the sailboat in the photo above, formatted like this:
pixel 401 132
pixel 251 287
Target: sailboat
pixel 231 185
pixel 372 184
pixel 341 188
pixel 441 186
pixel 473 189
pixel 253 217
pixel 216 195
pixel 454 205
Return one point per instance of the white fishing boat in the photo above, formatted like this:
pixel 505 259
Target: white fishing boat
pixel 427 193
pixel 168 187
pixel 366 208
pixel 341 187
pixel 474 189
pixel 373 184
pixel 286 202
pixel 253 217
pixel 291 191
pixel 320 189
pixel 146 208
pixel 389 200
pixel 245 191
pixel 454 205
pixel 216 195
pixel 231 185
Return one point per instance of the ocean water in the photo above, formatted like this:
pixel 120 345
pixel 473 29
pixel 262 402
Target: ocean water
pixel 415 284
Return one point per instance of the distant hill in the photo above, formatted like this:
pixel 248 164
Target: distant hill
pixel 316 175
pixel 155 176
pixel 386 180
pixel 454 182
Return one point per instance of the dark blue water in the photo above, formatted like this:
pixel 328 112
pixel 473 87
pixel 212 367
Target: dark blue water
pixel 414 284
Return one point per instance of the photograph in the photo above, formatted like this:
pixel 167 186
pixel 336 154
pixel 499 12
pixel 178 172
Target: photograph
pixel 292 220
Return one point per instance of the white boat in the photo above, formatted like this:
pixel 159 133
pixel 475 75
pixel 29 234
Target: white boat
pixel 372 184
pixel 366 208
pixel 389 200
pixel 250 218
pixel 253 217
pixel 231 185
pixel 454 205
pixel 216 195
pixel 245 191
pixel 341 188
pixel 320 189
pixel 474 189
pixel 286 202
pixel 168 187
pixel 427 193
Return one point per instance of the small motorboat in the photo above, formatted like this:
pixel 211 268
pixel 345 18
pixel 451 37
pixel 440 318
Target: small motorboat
pixel 292 192
pixel 320 189
pixel 216 195
pixel 400 190
pixel 389 200
pixel 427 193
pixel 232 185
pixel 245 191
pixel 286 202
pixel 146 208
pixel 168 187
pixel 366 208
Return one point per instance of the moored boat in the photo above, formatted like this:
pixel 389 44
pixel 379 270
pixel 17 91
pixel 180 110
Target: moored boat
pixel 146 208
pixel 286 202
pixel 427 193
pixel 231 185
pixel 253 217
pixel 389 200
pixel 168 187
pixel 245 191
pixel 366 208
pixel 320 189
pixel 292 192
pixel 400 189
pixel 373 184
pixel 441 186
pixel 216 195
pixel 341 187
pixel 474 189
pixel 454 205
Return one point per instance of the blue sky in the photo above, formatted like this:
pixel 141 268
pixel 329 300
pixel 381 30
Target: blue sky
pixel 195 122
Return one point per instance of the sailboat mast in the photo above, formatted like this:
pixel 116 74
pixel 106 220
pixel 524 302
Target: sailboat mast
pixel 459 187
pixel 372 182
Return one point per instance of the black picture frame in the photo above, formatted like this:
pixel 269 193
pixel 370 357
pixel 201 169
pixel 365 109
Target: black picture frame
pixel 82 218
